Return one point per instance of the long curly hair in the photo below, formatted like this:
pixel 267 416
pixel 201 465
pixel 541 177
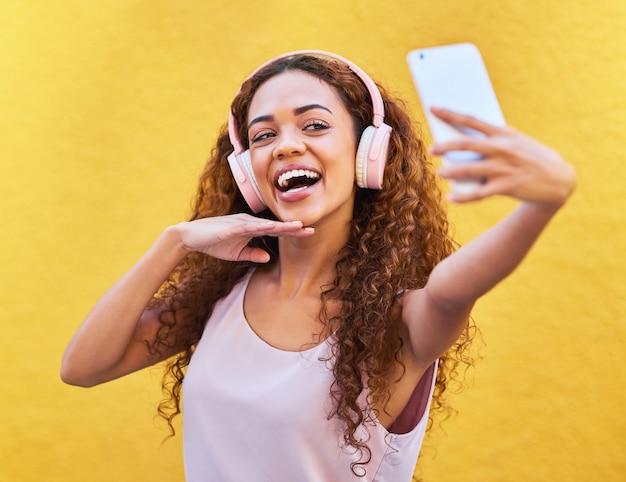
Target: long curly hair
pixel 397 236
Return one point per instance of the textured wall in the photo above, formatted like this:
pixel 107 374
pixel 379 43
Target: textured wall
pixel 107 111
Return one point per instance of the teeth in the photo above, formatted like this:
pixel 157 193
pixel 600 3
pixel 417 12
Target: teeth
pixel 284 178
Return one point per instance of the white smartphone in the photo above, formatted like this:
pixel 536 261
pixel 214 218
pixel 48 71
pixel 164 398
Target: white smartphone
pixel 454 77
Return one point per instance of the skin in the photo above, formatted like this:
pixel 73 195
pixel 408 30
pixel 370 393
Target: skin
pixel 304 126
pixel 282 299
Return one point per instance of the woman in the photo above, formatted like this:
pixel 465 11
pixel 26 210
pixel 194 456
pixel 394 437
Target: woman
pixel 318 251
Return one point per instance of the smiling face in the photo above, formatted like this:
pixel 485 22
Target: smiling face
pixel 303 149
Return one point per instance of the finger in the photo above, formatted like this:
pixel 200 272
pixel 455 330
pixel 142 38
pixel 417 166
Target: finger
pixel 458 198
pixel 465 120
pixel 290 228
pixel 264 227
pixel 480 145
pixel 299 233
pixel 494 178
pixel 492 187
pixel 276 229
pixel 477 194
pixel 477 169
pixel 254 254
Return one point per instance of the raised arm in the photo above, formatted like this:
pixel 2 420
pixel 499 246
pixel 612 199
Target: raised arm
pixel 514 165
pixel 113 340
pixel 110 341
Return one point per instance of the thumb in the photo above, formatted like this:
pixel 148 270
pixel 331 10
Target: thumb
pixel 254 254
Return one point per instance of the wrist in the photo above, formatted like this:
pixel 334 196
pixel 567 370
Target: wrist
pixel 172 238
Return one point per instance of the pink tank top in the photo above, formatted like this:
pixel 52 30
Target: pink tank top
pixel 253 412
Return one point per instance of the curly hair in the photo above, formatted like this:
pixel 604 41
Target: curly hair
pixel 397 236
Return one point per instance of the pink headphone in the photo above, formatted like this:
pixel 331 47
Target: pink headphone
pixel 371 154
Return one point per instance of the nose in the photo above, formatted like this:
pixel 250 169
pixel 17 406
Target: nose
pixel 288 144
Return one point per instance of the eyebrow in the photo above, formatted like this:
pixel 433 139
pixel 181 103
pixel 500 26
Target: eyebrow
pixel 296 111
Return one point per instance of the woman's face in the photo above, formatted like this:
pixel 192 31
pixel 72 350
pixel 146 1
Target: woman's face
pixel 303 149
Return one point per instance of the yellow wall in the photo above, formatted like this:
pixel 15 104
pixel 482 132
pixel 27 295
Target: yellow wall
pixel 107 111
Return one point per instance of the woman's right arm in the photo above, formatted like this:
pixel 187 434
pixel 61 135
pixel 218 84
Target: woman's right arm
pixel 111 342
pixel 113 339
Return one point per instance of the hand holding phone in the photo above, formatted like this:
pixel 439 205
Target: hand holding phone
pixel 454 77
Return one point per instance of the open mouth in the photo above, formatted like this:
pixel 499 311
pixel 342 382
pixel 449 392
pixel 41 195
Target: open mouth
pixel 297 179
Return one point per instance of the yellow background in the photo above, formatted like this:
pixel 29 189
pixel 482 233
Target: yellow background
pixel 107 112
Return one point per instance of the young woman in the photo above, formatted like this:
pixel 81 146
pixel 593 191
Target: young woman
pixel 314 303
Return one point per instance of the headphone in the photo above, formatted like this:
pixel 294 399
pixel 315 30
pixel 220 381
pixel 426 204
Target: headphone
pixel 371 153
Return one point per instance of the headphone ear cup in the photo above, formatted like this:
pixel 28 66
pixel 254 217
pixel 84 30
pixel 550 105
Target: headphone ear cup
pixel 241 168
pixel 362 155
pixel 371 156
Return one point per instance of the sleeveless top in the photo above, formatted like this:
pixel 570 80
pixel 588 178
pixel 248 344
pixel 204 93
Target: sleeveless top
pixel 252 412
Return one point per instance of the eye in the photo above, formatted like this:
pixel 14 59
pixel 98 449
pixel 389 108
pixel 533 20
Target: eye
pixel 316 125
pixel 261 136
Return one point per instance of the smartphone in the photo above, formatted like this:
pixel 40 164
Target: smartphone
pixel 455 77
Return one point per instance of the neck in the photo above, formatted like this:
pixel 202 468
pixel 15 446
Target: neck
pixel 306 264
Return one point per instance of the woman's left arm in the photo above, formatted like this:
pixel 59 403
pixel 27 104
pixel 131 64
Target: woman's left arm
pixel 513 165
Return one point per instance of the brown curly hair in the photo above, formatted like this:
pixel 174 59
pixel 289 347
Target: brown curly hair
pixel 397 236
